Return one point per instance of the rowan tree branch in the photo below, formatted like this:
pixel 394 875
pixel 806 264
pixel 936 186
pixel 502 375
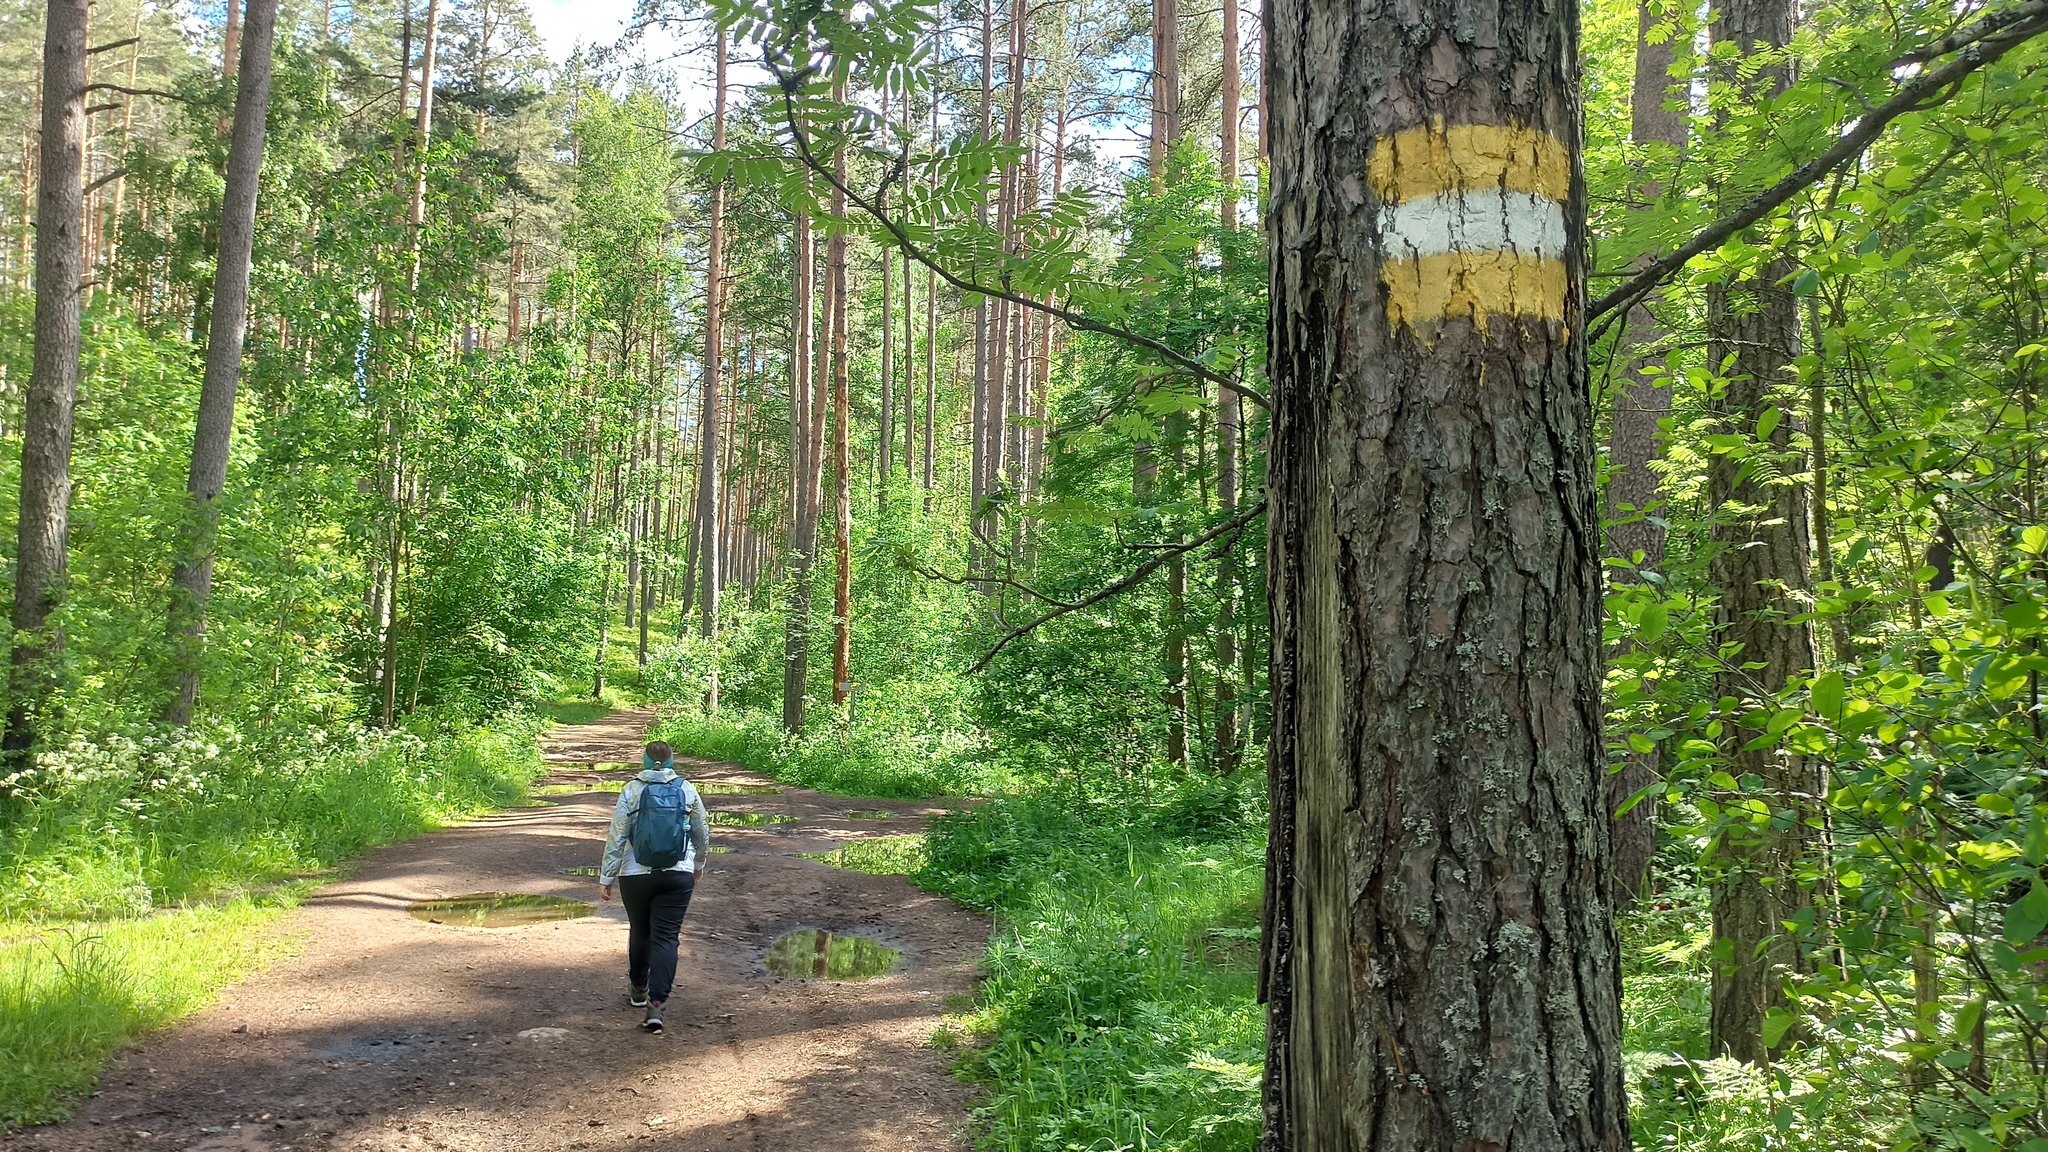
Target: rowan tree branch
pixel 1068 316
pixel 1230 527
pixel 1980 45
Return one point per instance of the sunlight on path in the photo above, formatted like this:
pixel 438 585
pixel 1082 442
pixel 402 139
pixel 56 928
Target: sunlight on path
pixel 390 1032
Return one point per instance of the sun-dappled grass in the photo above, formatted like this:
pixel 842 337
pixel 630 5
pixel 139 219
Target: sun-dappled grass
pixel 567 712
pixel 138 875
pixel 1118 1009
pixel 1118 1005
pixel 871 760
pixel 70 996
pixel 117 826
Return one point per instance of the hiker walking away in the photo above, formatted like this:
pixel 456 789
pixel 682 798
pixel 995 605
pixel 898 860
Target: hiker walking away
pixel 658 843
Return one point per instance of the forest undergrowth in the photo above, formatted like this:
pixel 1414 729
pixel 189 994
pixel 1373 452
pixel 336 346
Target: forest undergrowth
pixel 1118 1003
pixel 140 874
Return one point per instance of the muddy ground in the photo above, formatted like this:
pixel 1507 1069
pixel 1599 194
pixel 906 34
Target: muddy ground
pixel 388 1032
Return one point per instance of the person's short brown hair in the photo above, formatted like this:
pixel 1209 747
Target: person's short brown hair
pixel 660 753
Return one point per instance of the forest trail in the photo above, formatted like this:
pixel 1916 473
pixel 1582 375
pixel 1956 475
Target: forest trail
pixel 388 1032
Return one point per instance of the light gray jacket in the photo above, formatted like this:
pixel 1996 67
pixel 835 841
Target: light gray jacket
pixel 618 841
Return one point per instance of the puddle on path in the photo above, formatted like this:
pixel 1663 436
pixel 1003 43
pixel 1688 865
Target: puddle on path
pixel 814 954
pixel 739 790
pixel 498 910
pixel 579 871
pixel 580 786
pixel 749 819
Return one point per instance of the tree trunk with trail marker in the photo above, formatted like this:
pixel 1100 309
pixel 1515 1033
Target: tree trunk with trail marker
pixel 43 530
pixel 1634 487
pixel 213 434
pixel 1759 562
pixel 1441 967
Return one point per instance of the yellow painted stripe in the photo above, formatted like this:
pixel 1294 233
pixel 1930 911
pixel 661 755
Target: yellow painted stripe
pixel 1435 160
pixel 1432 289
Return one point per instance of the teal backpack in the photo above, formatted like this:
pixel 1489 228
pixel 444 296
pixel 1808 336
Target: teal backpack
pixel 661 826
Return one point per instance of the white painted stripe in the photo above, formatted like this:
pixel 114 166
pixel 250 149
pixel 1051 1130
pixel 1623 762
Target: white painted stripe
pixel 1479 220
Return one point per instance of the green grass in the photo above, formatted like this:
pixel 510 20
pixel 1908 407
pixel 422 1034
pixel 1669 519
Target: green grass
pixel 568 712
pixel 139 876
pixel 70 997
pixel 865 762
pixel 1117 1009
pixel 1118 1006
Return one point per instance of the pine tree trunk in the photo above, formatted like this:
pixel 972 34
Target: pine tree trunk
pixel 1634 487
pixel 47 416
pixel 1441 964
pixel 885 429
pixel 708 483
pixel 212 438
pixel 803 531
pixel 1759 562
pixel 1165 88
pixel 1233 86
pixel 978 417
pixel 842 479
pixel 1229 419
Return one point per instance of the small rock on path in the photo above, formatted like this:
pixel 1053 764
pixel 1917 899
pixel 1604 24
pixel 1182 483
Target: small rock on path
pixel 386 1032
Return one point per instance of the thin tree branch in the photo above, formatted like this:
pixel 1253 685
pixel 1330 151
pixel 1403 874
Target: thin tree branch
pixel 1972 33
pixel 103 181
pixel 1984 47
pixel 1066 315
pixel 115 44
pixel 126 91
pixel 1004 581
pixel 1230 527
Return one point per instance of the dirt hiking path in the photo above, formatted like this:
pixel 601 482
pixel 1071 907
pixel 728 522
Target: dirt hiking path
pixel 387 1032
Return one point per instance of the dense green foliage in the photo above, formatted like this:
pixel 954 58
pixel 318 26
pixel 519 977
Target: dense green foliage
pixel 464 476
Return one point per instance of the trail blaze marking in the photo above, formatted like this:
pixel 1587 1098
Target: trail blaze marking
pixel 1472 223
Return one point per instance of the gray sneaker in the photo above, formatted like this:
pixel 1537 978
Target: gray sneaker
pixel 637 996
pixel 653 1021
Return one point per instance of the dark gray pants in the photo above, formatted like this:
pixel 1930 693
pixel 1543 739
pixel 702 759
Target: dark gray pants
pixel 655 904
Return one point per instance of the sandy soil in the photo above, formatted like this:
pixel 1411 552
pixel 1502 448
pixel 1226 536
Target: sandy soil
pixel 388 1032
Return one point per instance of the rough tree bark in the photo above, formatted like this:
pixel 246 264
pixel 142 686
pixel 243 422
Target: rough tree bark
pixel 842 480
pixel 803 474
pixel 977 421
pixel 1759 562
pixel 213 433
pixel 1229 419
pixel 1634 487
pixel 1165 88
pixel 53 378
pixel 1441 966
pixel 708 492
